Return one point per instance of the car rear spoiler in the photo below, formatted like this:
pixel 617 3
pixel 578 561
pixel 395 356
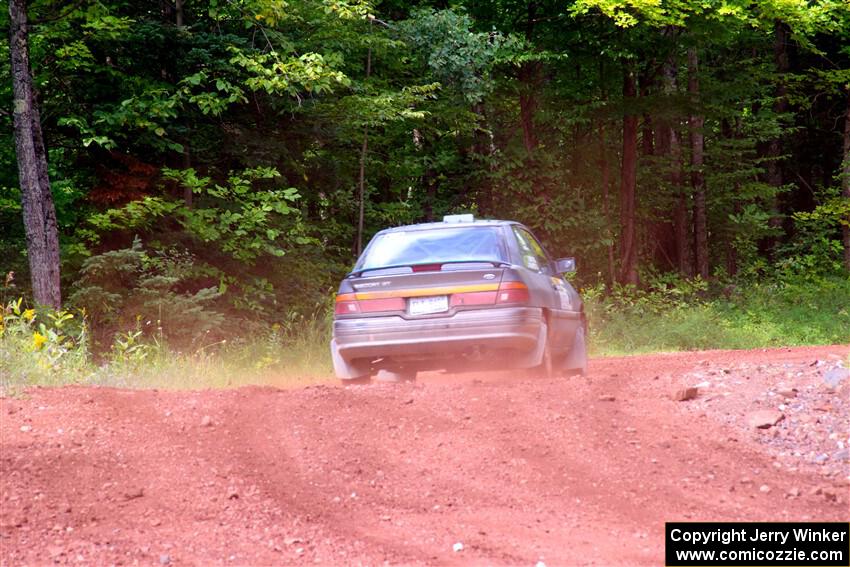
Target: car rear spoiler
pixel 495 263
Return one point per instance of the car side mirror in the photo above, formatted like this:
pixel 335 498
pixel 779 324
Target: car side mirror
pixel 564 265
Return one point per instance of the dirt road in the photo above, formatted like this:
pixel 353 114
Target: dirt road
pixel 579 471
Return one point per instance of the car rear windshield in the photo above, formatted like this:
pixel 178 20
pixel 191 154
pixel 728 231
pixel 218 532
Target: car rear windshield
pixel 433 246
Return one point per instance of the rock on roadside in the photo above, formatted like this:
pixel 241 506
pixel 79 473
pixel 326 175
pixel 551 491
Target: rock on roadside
pixel 762 419
pixel 835 376
pixel 685 394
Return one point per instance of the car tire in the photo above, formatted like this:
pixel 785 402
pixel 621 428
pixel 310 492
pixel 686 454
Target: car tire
pixel 396 376
pixel 576 363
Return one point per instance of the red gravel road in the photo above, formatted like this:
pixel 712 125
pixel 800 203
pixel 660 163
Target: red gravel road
pixel 516 469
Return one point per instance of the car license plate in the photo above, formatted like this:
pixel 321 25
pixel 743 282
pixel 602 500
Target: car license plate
pixel 425 305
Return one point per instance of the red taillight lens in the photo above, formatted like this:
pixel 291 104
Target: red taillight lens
pixel 388 304
pixel 474 298
pixel 512 292
pixel 348 304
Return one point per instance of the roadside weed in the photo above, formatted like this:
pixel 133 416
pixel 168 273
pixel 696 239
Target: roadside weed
pixel 50 348
pixel 41 347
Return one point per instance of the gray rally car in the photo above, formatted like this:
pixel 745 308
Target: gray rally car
pixel 462 294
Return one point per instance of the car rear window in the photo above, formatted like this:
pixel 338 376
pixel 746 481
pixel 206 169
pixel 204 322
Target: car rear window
pixel 456 244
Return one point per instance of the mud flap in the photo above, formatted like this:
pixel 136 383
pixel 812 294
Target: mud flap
pixel 535 357
pixel 576 361
pixel 343 369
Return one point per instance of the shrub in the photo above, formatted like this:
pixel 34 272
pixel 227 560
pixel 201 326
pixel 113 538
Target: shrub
pixel 129 288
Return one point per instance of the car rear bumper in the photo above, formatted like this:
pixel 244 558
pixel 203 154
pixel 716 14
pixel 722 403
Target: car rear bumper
pixel 515 328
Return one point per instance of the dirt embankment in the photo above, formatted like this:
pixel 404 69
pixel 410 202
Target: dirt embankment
pixel 493 469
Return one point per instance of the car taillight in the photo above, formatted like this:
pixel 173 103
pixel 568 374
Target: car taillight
pixel 512 292
pixel 474 298
pixel 348 304
pixel 387 304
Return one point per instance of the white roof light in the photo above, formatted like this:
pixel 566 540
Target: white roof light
pixel 458 218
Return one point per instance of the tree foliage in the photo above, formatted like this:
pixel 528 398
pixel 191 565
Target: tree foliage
pixel 232 132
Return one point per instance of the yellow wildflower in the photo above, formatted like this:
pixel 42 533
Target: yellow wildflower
pixel 29 314
pixel 38 340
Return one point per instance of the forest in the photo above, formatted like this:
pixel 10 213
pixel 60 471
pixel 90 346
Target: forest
pixel 192 178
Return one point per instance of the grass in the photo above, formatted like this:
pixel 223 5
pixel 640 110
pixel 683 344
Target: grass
pixel 297 361
pixel 51 348
pixel 781 314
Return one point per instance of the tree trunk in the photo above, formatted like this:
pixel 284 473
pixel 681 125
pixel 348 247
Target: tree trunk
pixel 39 213
pixel 681 226
pixel 178 13
pixel 665 245
pixel 361 192
pixel 683 230
pixel 774 175
pixel 647 137
pixel 845 184
pixel 605 173
pixel 529 78
pixel 780 105
pixel 606 181
pixel 729 132
pixel 697 121
pixel 364 149
pixel 430 179
pixel 187 163
pixel 628 181
pixel 731 251
pixel 483 150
